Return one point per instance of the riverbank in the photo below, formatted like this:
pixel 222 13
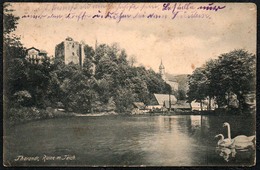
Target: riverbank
pixel 96 114
pixel 21 115
pixel 26 114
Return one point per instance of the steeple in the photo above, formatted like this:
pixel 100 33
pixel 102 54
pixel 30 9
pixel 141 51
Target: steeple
pixel 161 66
pixel 162 71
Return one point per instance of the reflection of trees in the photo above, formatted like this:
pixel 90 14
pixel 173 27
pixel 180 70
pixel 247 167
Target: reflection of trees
pixel 165 123
pixel 198 126
pixel 194 125
pixel 205 126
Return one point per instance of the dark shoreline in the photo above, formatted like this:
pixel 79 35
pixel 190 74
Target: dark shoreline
pixel 29 115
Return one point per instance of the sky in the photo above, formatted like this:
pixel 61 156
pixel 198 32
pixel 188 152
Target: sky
pixel 183 43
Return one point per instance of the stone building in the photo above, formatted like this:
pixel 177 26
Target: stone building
pixel 70 51
pixel 35 55
pixel 173 83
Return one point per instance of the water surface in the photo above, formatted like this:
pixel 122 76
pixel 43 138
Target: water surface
pixel 114 140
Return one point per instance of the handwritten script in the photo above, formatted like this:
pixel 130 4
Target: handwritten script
pixel 122 11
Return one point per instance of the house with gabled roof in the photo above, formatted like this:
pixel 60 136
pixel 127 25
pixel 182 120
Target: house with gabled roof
pixel 35 56
pixel 139 108
pixel 160 101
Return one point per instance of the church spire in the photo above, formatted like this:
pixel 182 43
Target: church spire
pixel 161 66
pixel 162 71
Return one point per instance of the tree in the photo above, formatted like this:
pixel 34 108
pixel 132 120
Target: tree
pixel 13 52
pixel 122 59
pixel 198 86
pixel 132 60
pixel 181 94
pixel 106 66
pixel 237 74
pixel 78 90
pixel 106 88
pixel 233 73
pixel 11 42
pixel 124 100
pixel 88 64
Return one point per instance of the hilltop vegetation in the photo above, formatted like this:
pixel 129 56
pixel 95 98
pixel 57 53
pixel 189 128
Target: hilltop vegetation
pixel 114 85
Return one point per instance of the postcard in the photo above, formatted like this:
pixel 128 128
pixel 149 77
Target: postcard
pixel 129 84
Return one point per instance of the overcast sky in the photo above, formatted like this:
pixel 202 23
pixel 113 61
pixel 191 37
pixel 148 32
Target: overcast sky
pixel 181 42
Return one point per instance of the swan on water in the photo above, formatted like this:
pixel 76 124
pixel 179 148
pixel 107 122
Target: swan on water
pixel 241 141
pixel 223 142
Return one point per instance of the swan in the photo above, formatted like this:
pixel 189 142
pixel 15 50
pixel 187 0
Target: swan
pixel 241 141
pixel 223 142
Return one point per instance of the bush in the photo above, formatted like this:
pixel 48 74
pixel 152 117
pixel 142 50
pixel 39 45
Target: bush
pixel 25 114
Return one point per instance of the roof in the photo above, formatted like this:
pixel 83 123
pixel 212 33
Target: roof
pixel 33 48
pixel 174 80
pixel 40 51
pixel 161 98
pixel 167 104
pixel 139 105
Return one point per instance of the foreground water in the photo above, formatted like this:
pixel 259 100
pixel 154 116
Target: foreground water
pixel 114 140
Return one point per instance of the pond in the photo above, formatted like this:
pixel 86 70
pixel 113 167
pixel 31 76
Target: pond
pixel 181 140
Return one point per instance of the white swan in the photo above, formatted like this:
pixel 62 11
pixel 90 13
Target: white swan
pixel 223 142
pixel 241 141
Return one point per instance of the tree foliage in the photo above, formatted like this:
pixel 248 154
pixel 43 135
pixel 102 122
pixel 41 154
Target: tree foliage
pixel 233 73
pixel 106 79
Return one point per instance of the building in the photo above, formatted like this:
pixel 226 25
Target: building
pixel 172 82
pixel 139 108
pixel 70 51
pixel 160 101
pixel 35 56
pixel 182 105
pixel 197 106
pixel 162 71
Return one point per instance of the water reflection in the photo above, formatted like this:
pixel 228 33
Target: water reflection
pixel 195 124
pixel 226 153
pixel 170 144
pixel 232 154
pixel 149 140
pixel 198 126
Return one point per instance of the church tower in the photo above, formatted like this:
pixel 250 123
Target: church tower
pixel 162 71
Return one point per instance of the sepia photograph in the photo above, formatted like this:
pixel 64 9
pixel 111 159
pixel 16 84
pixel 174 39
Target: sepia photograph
pixel 129 84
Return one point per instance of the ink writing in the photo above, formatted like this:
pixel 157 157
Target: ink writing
pixel 211 7
pixel 118 12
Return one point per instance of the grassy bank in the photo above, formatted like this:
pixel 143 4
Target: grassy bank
pixel 26 114
pixel 219 112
